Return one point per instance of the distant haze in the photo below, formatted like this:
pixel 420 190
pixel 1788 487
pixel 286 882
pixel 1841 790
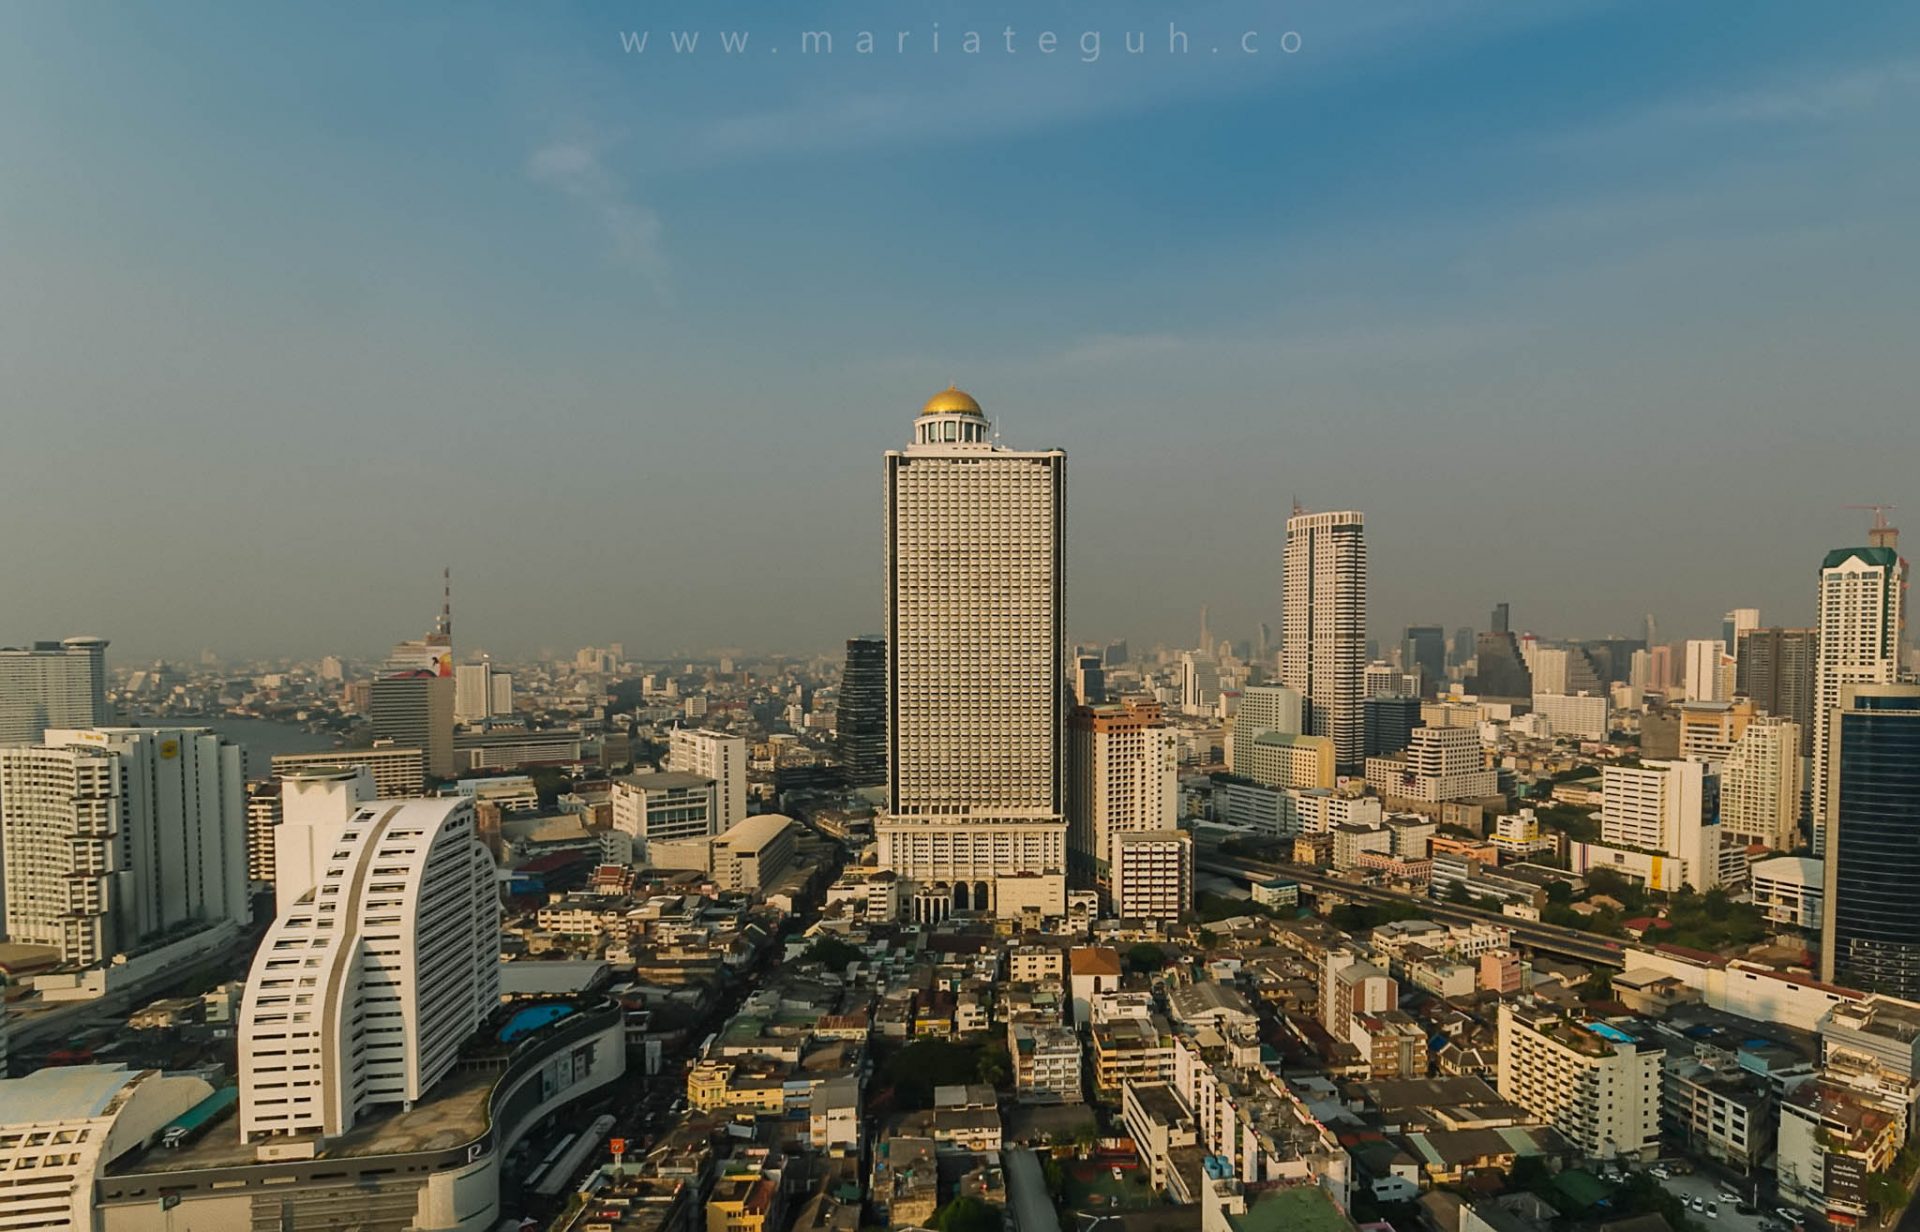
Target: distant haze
pixel 1597 310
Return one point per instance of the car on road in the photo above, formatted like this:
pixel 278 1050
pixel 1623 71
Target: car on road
pixel 1713 1210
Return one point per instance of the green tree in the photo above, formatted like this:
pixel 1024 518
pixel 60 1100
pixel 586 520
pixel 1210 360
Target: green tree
pixel 967 1214
pixel 1885 1192
pixel 914 1071
pixel 833 952
pixel 1559 892
pixel 549 783
pixel 994 1065
pixel 1457 893
pixel 1146 958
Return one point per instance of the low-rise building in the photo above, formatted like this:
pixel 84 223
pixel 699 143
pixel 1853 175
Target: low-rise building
pixel 1160 1123
pixel 1595 1082
pixel 1046 1063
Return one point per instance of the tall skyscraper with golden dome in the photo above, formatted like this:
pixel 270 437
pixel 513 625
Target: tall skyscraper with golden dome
pixel 976 667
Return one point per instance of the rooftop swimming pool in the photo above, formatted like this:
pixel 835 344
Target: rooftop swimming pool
pixel 531 1019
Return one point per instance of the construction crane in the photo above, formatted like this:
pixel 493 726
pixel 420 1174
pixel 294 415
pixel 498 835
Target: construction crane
pixel 1882 534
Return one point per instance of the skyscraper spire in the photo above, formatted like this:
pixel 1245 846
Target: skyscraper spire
pixel 444 626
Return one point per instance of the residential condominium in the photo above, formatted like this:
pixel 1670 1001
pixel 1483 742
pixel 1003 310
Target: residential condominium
pixel 1709 675
pixel 1862 597
pixel 1581 715
pixel 112 837
pixel 717 756
pixel 1775 669
pixel 397 772
pixel 414 709
pixel 1152 874
pixel 664 806
pixel 52 684
pixel 1123 762
pixel 1276 759
pixel 976 657
pixel 1595 1082
pixel 1760 782
pixel 1659 823
pixel 363 991
pixel 1440 764
pixel 1264 708
pixel 1323 646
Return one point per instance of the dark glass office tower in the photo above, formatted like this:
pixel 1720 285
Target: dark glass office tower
pixel 1871 938
pixel 1390 724
pixel 1425 648
pixel 861 721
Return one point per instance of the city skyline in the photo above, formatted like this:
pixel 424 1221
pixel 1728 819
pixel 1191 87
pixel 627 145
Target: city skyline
pixel 518 322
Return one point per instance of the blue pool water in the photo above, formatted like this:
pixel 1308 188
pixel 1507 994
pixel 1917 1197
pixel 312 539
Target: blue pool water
pixel 1606 1032
pixel 532 1019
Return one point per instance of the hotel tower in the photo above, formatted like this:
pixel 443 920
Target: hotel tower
pixel 976 667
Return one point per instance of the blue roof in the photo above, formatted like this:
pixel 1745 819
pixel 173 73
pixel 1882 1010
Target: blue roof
pixel 207 1109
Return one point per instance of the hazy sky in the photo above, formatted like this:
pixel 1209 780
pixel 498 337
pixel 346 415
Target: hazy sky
pixel 1596 308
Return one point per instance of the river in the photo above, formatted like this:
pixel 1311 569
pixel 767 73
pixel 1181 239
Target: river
pixel 262 738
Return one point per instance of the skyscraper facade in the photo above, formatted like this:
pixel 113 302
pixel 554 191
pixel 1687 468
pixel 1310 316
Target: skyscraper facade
pixel 976 656
pixel 1124 761
pixel 1323 646
pixel 1871 931
pixel 52 684
pixel 1740 620
pixel 1705 679
pixel 414 710
pixel 473 692
pixel 1089 680
pixel 1499 668
pixel 1775 667
pixel 1861 593
pixel 110 837
pixel 860 715
pixel 1425 648
pixel 1760 784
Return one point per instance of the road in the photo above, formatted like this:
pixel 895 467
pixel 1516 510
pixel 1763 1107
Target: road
pixel 1548 937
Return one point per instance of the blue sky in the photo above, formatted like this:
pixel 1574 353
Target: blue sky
pixel 1596 308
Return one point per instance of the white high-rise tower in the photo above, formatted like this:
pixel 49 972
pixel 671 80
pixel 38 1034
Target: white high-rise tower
pixel 52 684
pixel 976 662
pixel 1861 592
pixel 368 983
pixel 1323 647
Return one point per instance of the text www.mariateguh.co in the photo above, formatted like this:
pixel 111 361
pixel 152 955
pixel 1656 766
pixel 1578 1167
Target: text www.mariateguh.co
pixel 1086 46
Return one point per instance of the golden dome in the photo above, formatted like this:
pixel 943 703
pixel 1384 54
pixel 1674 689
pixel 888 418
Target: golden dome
pixel 951 401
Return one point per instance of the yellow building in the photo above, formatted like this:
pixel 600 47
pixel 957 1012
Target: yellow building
pixel 746 1203
pixel 707 1085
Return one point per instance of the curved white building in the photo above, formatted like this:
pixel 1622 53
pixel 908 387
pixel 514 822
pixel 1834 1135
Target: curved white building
pixel 61 1127
pixel 364 989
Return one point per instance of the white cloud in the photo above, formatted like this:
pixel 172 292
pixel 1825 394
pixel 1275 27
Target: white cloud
pixel 576 170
